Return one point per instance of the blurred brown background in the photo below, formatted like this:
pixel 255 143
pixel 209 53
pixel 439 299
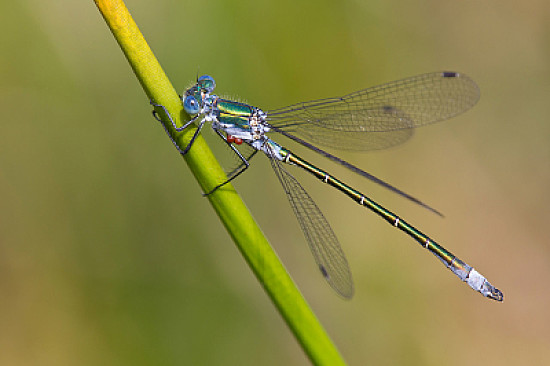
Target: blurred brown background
pixel 109 254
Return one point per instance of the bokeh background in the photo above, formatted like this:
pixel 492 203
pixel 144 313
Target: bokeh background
pixel 110 255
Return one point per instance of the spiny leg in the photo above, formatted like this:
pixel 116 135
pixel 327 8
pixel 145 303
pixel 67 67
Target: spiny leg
pixel 199 128
pixel 239 171
pixel 179 129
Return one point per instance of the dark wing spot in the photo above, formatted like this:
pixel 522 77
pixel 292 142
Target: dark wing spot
pixel 323 271
pixel 388 109
pixel 449 74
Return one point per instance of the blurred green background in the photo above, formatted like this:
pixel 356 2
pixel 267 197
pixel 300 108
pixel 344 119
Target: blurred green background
pixel 110 255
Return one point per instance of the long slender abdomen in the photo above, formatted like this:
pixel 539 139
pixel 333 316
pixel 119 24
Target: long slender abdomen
pixel 465 272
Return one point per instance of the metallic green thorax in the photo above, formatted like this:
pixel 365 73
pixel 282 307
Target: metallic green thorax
pixel 234 112
pixel 458 267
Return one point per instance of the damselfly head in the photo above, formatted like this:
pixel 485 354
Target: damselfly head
pixel 197 94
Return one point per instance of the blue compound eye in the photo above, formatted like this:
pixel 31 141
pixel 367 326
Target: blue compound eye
pixel 191 105
pixel 207 83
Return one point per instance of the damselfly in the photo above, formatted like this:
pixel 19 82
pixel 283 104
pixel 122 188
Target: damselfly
pixel 373 118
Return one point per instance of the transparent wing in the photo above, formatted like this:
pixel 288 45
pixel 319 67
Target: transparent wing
pixel 319 235
pixel 381 116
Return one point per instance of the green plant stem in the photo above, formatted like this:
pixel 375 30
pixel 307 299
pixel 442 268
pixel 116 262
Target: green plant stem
pixel 230 209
